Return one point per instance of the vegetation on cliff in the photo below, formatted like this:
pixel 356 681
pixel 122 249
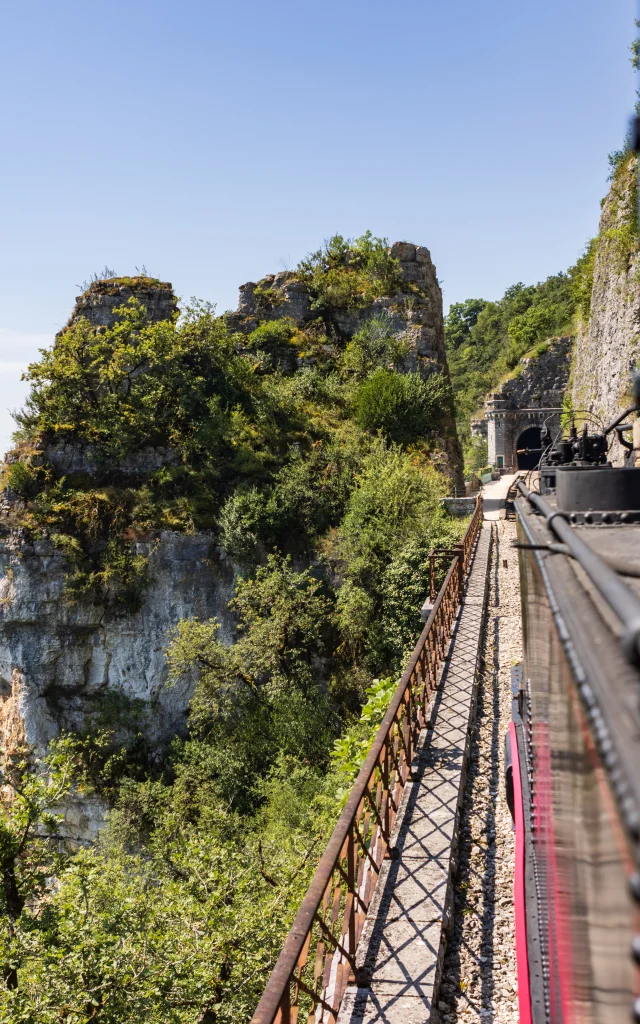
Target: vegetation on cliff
pixel 316 475
pixel 486 340
pixel 350 272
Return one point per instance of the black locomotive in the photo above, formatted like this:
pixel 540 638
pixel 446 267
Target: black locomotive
pixel 573 748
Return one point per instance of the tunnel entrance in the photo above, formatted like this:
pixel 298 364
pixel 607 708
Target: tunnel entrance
pixel 529 438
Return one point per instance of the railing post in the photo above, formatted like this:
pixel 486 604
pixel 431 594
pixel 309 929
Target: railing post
pixel 352 881
pixel 385 789
pixel 285 1005
pixel 409 731
pixel 461 567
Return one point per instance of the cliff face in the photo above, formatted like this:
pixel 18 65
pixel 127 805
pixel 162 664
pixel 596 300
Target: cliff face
pixel 53 654
pixel 416 317
pixel 63 662
pixel 607 347
pixel 541 379
pixel 58 661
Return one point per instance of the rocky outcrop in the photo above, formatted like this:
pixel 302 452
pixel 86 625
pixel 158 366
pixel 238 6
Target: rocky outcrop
pixel 101 301
pixel 73 458
pixel 276 297
pixel 608 344
pixel 541 379
pixel 100 304
pixel 415 315
pixel 58 660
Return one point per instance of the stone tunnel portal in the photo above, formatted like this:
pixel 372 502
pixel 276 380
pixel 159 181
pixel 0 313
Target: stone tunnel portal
pixel 529 438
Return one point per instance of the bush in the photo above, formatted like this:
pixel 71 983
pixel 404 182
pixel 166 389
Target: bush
pixel 393 518
pixel 273 340
pixel 140 384
pixel 375 345
pixel 476 455
pixel 350 272
pixel 24 479
pixel 403 407
pixel 307 497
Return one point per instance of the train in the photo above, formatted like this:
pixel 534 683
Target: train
pixel 573 743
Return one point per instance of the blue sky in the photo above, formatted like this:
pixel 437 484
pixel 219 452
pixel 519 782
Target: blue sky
pixel 214 142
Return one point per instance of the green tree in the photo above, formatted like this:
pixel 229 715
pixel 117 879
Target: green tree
pixel 459 321
pixel 32 850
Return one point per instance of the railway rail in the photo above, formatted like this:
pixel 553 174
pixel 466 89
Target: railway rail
pixel 318 959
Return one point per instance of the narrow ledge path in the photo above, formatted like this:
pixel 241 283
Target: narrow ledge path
pixel 403 944
pixel 439 942
pixel 479 974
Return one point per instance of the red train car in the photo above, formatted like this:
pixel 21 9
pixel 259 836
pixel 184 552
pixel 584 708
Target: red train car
pixel 573 748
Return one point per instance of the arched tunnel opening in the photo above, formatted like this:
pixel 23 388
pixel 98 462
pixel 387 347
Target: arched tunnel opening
pixel 529 438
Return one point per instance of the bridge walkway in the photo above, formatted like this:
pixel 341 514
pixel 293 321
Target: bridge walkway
pixel 402 948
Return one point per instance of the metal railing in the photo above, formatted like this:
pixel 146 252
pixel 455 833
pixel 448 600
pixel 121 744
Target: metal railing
pixel 318 957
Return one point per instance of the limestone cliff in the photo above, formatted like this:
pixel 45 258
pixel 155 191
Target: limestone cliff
pixel 607 347
pixel 415 313
pixel 59 658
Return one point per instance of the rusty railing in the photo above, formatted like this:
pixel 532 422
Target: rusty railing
pixel 318 957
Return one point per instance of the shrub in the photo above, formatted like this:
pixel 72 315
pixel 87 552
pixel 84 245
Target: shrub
pixel 376 344
pixel 307 497
pixel 476 455
pixel 262 694
pixel 243 521
pixel 273 339
pixel 139 384
pixel 350 272
pixel 403 407
pixel 582 280
pixel 24 479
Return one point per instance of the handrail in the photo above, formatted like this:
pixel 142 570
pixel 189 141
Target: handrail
pixel 332 914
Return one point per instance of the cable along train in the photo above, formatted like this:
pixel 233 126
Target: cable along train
pixel 573 746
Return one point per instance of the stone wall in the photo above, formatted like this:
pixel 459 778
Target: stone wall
pixel 460 507
pixel 608 346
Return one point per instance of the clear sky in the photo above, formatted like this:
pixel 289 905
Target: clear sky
pixel 214 142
